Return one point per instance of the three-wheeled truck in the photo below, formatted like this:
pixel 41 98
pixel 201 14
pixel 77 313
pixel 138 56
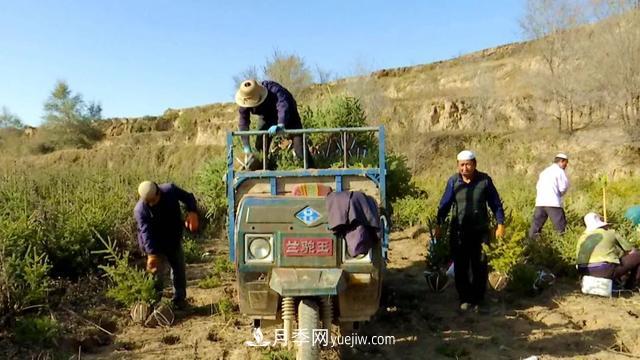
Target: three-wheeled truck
pixel 290 266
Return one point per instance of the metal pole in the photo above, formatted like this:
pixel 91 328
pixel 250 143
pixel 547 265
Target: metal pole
pixel 264 152
pixel 304 150
pixel 344 149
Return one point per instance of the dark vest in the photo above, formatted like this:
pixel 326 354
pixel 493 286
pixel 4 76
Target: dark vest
pixel 470 204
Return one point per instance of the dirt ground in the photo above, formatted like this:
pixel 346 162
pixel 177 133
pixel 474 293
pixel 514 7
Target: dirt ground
pixel 560 323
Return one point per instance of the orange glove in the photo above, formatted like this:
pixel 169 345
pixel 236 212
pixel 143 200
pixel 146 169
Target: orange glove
pixel 153 262
pixel 500 231
pixel 192 223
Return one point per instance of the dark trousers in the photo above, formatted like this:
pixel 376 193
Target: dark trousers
pixel 540 215
pixel 629 264
pixel 466 251
pixel 175 260
pixel 297 144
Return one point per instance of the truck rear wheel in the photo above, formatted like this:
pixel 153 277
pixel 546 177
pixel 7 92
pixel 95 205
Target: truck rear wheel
pixel 308 320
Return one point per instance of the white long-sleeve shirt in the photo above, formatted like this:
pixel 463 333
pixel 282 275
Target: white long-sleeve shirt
pixel 551 187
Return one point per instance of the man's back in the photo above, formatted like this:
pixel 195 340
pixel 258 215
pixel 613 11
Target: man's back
pixel 163 222
pixel 552 185
pixel 600 245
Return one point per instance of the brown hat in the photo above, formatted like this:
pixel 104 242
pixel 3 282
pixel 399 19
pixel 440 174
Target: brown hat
pixel 250 94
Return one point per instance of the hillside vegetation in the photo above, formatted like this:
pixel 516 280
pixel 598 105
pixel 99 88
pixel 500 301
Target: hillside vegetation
pixel 575 89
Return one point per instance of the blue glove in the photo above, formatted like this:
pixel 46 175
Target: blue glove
pixel 246 149
pixel 274 129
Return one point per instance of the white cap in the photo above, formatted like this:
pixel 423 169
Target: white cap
pixel 466 155
pixel 593 221
pixel 147 190
pixel 562 156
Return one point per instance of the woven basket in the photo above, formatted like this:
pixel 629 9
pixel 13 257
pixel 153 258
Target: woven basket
pixel 437 281
pixel 498 281
pixel 140 312
pixel 162 316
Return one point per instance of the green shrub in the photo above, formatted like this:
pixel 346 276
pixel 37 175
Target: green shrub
pixel 209 282
pixel 554 251
pixel 337 112
pixel 222 266
pixel 505 253
pixel 410 211
pixel 221 269
pixel 225 307
pixel 186 122
pixel 438 254
pixel 278 354
pixel 24 280
pixel 522 279
pixel 57 213
pixel 212 190
pixel 37 331
pixel 399 178
pixel 129 285
pixel 192 251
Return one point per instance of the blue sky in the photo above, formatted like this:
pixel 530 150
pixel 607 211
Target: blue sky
pixel 141 57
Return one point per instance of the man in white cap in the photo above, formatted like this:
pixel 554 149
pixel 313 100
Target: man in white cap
pixel 601 252
pixel 469 193
pixel 159 219
pixel 277 110
pixel 551 187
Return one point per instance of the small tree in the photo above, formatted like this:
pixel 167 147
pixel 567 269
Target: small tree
pixel 289 70
pixel 7 119
pixel 68 120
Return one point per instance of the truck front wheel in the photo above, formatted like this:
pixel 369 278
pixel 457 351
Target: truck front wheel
pixel 308 320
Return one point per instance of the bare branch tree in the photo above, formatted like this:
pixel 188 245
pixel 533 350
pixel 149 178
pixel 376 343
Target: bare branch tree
pixel 614 59
pixel 550 22
pixel 248 73
pixel 8 119
pixel 365 87
pixel 289 70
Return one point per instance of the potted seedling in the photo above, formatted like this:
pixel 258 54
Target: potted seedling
pixel 437 258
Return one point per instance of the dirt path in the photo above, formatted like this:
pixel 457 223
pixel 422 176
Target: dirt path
pixel 561 323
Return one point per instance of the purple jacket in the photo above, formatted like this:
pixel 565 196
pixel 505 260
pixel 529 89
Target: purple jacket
pixel 355 216
pixel 160 226
pixel 279 108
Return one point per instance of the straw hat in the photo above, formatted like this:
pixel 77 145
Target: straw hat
pixel 250 94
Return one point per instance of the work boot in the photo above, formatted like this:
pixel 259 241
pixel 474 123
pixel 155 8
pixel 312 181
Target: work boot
pixel 179 304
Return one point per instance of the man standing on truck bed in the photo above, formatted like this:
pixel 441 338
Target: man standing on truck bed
pixel 469 192
pixel 277 110
pixel 160 223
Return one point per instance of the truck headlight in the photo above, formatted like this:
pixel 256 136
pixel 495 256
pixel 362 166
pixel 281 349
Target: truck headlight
pixel 258 248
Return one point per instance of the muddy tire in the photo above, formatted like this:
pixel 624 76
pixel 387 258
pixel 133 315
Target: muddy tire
pixel 308 319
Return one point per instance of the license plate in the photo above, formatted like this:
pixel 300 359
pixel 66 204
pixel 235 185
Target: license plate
pixel 308 247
